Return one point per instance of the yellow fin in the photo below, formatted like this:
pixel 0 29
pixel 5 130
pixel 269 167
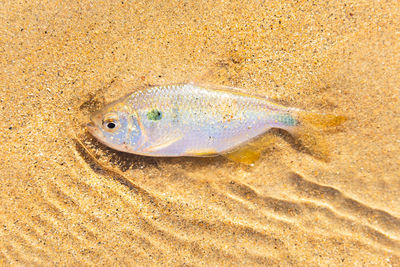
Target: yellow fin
pixel 322 121
pixel 308 135
pixel 250 153
pixel 264 141
pixel 313 141
pixel 201 153
pixel 247 155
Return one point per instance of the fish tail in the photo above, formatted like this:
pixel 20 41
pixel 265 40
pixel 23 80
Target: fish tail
pixel 307 131
pixel 321 121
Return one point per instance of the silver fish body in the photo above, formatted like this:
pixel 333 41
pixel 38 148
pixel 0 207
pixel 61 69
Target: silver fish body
pixel 187 120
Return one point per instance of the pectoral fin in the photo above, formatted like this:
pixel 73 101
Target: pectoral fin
pixel 162 143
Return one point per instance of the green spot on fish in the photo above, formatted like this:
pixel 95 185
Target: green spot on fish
pixel 154 115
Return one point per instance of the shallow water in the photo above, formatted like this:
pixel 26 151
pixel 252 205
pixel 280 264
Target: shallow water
pixel 67 199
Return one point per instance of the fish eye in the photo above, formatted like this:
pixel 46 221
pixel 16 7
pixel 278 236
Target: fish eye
pixel 111 123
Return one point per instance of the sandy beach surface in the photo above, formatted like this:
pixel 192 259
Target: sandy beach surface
pixel 68 200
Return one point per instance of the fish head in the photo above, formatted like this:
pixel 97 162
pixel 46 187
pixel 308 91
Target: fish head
pixel 116 126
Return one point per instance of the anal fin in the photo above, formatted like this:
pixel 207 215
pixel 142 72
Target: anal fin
pixel 246 155
pixel 249 153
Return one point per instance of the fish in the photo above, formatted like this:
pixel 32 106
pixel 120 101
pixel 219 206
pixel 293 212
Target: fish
pixel 192 120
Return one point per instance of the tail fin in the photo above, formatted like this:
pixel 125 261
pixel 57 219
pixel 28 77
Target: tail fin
pixel 322 121
pixel 308 131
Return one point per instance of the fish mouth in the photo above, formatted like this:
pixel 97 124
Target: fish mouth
pixel 93 130
pixel 91 127
pixel 95 119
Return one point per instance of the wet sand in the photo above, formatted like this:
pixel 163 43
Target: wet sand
pixel 68 200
